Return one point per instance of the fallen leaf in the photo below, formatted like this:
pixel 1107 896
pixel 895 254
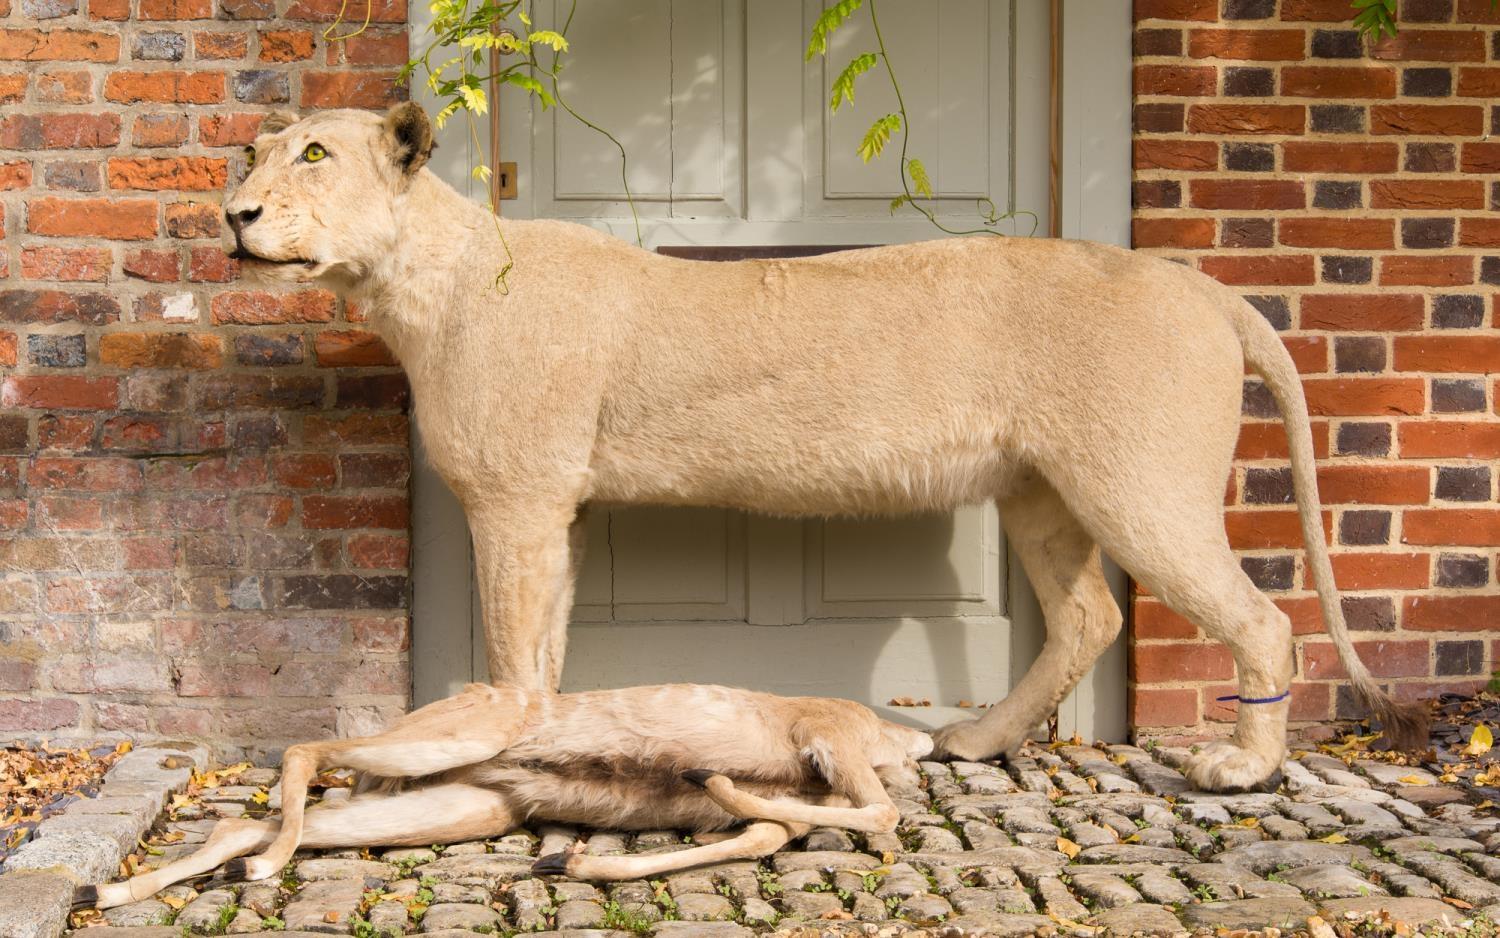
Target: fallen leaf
pixel 1480 741
pixel 1334 839
pixel 1068 847
pixel 1457 903
pixel 1319 928
pixel 173 902
pixel 1249 822
pixel 1413 780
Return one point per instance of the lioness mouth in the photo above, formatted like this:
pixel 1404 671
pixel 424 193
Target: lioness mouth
pixel 240 254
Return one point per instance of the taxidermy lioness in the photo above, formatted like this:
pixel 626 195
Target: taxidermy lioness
pixel 493 759
pixel 1093 393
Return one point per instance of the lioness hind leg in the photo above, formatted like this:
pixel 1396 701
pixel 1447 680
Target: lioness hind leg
pixel 1171 539
pixel 1062 563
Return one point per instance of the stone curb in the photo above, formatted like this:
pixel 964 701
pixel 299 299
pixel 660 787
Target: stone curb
pixel 85 844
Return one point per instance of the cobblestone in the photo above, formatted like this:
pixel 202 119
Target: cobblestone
pixel 1076 839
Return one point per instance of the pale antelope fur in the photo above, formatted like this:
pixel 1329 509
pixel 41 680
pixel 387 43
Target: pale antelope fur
pixel 1093 393
pixel 493 759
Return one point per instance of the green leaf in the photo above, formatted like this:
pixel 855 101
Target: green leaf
pixel 843 86
pixel 878 136
pixel 441 117
pixel 831 19
pixel 919 179
pixel 1375 17
pixel 546 37
pixel 899 201
pixel 531 86
pixel 481 172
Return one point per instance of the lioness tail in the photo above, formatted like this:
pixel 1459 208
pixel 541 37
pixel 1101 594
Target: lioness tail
pixel 1405 724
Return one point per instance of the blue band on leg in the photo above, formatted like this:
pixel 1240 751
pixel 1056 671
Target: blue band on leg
pixel 1258 700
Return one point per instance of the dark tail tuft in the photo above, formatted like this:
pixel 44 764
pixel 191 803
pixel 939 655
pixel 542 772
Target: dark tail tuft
pixel 553 864
pixel 85 897
pixel 1404 723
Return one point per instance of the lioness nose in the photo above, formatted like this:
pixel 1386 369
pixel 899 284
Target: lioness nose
pixel 238 220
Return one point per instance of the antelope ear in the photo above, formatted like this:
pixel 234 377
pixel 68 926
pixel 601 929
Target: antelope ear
pixel 277 121
pixel 410 135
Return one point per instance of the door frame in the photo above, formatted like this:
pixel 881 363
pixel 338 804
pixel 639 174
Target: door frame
pixel 1087 139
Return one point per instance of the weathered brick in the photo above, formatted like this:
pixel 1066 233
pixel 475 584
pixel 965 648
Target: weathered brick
pixel 65 263
pixel 167 87
pixel 59 131
pixel 1427 120
pixel 1260 270
pixel 1321 81
pixel 218 45
pixel 80 45
pixel 122 219
pixel 152 265
pixel 350 89
pixel 59 392
pixel 64 87
pixel 190 220
pixel 159 130
pixel 182 173
pixel 1247 118
pixel 1365 233
pixel 161 350
pixel 1342 157
pixel 260 308
pixel 285 45
pixel 49 306
pixel 1248 44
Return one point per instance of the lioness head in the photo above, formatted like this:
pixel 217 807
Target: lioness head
pixel 321 193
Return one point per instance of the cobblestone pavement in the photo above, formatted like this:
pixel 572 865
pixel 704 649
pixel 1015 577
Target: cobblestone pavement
pixel 1067 839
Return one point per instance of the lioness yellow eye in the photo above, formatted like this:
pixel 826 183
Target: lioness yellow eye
pixel 313 153
pixel 249 157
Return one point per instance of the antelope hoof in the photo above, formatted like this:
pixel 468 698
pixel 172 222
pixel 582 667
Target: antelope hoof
pixel 553 864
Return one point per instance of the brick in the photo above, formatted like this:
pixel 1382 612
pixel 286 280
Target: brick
pixel 164 46
pixel 1428 613
pixel 1469 354
pixel 65 88
pixel 351 348
pixel 56 351
pixel 1462 484
pixel 1360 233
pixel 1268 440
pixel 342 591
pixel 1247 232
pixel 1336 118
pixel 154 266
pixel 1364 397
pixel 1462 571
pixel 1459 658
pixel 1172 232
pixel 1431 45
pixel 38 714
pixel 1247 118
pixel 1338 194
pixel 12 88
pixel 1359 438
pixel 161 350
pixel 1449 439
pixel 285 45
pixel 371 48
pixel 1151 706
pixel 189 220
pixel 380 11
pixel 1318 11
pixel 228 130
pixel 1457 311
pixel 1373 485
pixel 261 308
pixel 363 511
pixel 1257 270
pixel 1322 81
pixel 1430 158
pixel 175 9
pixel 75 175
pixel 1481 157
pixel 1457 396
pixel 211 265
pixel 355 429
pixel 1359 353
pixel 1176 154
pixel 1161 663
pixel 182 173
pixel 1362 312
pixel 1265 529
pixel 1427 120
pixel 116 10
pixel 72 45
pixel 1455 527
pixel 1156 193
pixel 160 130
pixel 1249 157
pixel 59 392
pixel 1384 659
pixel 216 45
pixel 1348 270
pixel 66 263
pixel 1447 271
pixel 349 89
pixel 1427 82
pixel 120 219
pixel 59 131
pixel 1250 44
pixel 1479 82
pixel 262 86
pixel 1477 11
pixel 1426 194
pixel 49 306
pixel 1261 194
pixel 7 359
pixel 1158 118
pixel 1349 158
pixel 1247 82
pixel 1337 44
pixel 166 87
pixel 1365 528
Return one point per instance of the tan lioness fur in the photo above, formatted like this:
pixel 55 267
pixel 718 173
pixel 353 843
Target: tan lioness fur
pixel 1093 393
pixel 492 759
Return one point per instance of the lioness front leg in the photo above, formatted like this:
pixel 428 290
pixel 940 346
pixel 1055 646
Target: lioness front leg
pixel 523 562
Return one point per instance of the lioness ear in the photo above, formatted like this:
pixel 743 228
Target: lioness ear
pixel 277 121
pixel 411 136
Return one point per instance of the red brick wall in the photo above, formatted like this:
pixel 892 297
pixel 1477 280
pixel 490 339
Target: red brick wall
pixel 1348 188
pixel 203 485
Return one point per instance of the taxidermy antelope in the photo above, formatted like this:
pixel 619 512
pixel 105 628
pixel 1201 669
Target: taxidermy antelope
pixel 493 759
pixel 1092 393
